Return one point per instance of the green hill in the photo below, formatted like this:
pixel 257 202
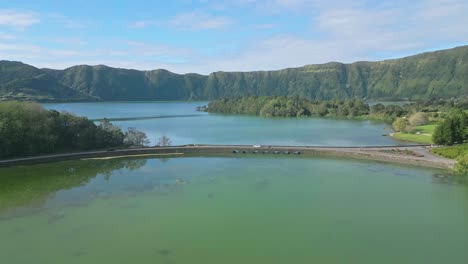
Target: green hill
pixel 440 74
pixel 23 82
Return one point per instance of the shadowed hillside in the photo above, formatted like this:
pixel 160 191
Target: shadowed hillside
pixel 440 74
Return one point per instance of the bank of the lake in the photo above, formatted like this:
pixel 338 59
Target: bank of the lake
pixel 413 155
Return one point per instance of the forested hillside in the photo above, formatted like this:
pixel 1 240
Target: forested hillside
pixel 440 74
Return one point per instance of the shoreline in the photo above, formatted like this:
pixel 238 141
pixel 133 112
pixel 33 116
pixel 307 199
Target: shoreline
pixel 420 155
pixel 134 156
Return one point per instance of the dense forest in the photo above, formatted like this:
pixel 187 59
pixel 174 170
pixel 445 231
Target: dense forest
pixel 28 129
pixel 440 74
pixel 282 106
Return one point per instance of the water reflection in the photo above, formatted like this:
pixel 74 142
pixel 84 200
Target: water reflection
pixel 30 189
pixel 31 186
pixel 121 210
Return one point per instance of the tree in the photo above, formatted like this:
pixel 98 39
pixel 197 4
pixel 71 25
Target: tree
pixel 400 124
pixel 109 135
pixel 322 109
pixel 377 108
pixel 164 142
pixel 394 110
pixel 418 119
pixel 461 167
pixel 29 129
pixel 133 137
pixel 442 134
pixel 452 130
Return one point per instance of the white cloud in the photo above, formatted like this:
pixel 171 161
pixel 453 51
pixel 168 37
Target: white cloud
pixel 18 19
pixel 144 23
pixel 264 26
pixel 68 22
pixel 191 21
pixel 72 41
pixel 350 32
pixel 6 36
pixel 195 21
pixel 152 49
pixel 340 30
pixel 19 47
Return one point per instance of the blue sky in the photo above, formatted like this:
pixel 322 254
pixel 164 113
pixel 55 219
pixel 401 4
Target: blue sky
pixel 204 36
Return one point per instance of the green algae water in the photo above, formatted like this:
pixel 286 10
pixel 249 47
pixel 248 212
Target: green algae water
pixel 231 210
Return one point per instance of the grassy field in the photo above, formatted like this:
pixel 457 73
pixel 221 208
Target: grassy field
pixel 428 129
pixel 424 136
pixel 451 152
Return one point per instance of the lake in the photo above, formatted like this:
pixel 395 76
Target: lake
pixel 184 125
pixel 231 210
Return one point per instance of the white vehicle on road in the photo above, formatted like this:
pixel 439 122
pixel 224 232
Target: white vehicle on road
pixel 257 146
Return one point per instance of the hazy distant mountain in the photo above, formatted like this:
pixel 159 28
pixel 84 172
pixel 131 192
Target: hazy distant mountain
pixel 440 74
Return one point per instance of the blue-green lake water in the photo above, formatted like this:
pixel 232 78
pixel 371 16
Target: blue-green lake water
pixel 204 128
pixel 232 209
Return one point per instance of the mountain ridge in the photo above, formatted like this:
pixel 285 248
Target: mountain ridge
pixel 436 74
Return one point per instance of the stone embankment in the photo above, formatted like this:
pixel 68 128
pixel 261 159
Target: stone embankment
pixel 414 155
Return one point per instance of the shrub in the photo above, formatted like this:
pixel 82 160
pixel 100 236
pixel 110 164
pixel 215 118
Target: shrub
pixel 451 152
pixel 418 119
pixel 400 124
pixel 461 167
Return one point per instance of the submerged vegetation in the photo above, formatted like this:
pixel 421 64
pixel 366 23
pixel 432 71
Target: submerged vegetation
pixel 28 129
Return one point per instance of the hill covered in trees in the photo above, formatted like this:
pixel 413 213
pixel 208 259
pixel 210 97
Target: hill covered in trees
pixel 439 74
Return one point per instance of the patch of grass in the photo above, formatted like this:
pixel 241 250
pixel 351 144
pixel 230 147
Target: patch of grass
pixel 451 152
pixel 421 138
pixel 428 129
pixel 424 136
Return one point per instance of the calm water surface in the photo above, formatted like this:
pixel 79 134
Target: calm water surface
pixel 184 125
pixel 231 210
pixel 261 209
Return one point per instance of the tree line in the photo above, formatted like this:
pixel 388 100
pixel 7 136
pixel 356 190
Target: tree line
pixel 282 106
pixel 28 129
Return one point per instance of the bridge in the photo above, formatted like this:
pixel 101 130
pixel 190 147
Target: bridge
pixel 419 155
